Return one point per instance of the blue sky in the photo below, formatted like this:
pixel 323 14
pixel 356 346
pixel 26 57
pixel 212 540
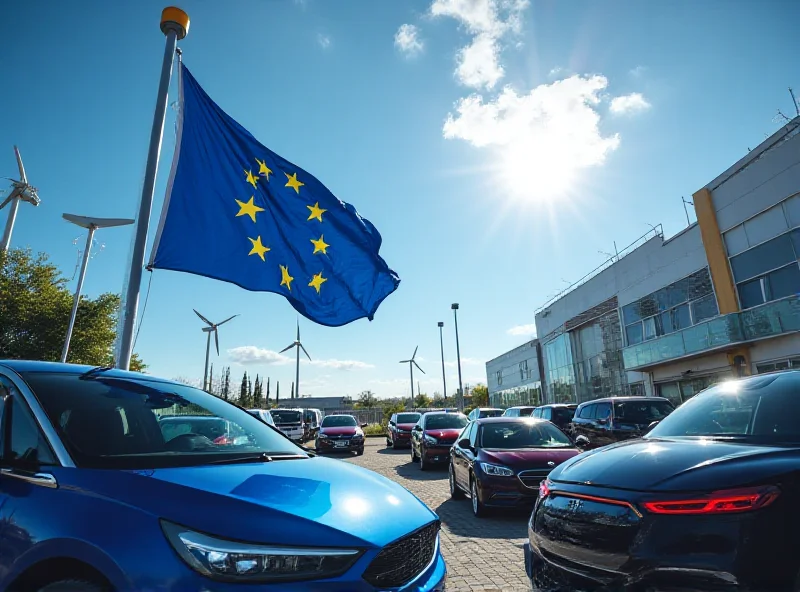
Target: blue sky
pixel 498 145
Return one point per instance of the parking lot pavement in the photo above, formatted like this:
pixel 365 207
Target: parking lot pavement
pixel 482 554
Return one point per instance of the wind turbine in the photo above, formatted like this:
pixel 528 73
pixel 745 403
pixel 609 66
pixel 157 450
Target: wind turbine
pixel 212 328
pixel 299 346
pixel 21 191
pixel 411 363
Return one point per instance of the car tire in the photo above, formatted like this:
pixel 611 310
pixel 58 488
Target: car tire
pixel 389 443
pixel 423 466
pixel 72 586
pixel 413 454
pixel 359 452
pixel 455 491
pixel 478 509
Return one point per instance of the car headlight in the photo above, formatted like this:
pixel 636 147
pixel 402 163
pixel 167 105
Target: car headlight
pixel 430 440
pixel 358 436
pixel 322 436
pixel 496 470
pixel 242 562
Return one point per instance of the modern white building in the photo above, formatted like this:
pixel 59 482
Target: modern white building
pixel 671 316
pixel 514 378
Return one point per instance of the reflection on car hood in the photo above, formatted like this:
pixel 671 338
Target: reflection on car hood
pixel 339 431
pixel 406 426
pixel 291 502
pixel 527 458
pixel 673 464
pixel 446 434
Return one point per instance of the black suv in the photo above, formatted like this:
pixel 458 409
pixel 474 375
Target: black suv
pixel 559 414
pixel 605 421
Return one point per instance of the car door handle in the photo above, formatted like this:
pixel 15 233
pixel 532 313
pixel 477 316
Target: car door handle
pixel 42 479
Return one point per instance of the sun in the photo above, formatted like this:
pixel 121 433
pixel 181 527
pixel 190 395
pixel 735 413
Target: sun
pixel 536 171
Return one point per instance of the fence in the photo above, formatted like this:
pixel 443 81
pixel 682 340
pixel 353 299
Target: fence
pixel 362 415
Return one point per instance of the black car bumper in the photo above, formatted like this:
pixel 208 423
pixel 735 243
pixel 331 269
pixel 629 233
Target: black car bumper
pixel 436 454
pixel 340 445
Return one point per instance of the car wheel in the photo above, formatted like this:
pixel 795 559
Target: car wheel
pixel 72 586
pixel 359 452
pixel 423 466
pixel 413 455
pixel 389 443
pixel 477 506
pixel 455 491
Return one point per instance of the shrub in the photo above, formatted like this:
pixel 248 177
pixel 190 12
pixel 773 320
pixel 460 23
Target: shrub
pixel 375 429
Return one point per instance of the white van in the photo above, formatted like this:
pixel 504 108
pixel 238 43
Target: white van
pixel 289 421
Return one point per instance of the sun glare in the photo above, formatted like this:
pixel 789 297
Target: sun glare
pixel 532 172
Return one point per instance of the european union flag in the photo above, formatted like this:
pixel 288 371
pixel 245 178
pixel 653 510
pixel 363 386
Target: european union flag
pixel 236 211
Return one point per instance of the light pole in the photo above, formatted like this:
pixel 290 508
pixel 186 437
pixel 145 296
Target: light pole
pixel 91 224
pixel 460 399
pixel 444 379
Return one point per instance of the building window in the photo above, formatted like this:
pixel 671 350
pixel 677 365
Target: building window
pixel 523 370
pixel 637 389
pixel 768 271
pixel 680 305
pixel 791 363
pixel 499 375
pixel 775 285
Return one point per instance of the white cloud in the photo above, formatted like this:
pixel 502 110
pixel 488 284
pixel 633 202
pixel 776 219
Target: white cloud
pixel 638 71
pixel 407 40
pixel 340 364
pixel 629 104
pixel 488 21
pixel 323 40
pixel 523 330
pixel 249 355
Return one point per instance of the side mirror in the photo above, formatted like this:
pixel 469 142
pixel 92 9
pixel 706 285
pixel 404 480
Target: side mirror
pixel 652 425
pixel 582 442
pixel 417 428
pixel 363 425
pixel 464 443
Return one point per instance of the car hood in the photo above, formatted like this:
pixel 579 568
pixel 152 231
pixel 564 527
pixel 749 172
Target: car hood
pixel 680 464
pixel 290 502
pixel 445 434
pixel 406 426
pixel 339 431
pixel 528 458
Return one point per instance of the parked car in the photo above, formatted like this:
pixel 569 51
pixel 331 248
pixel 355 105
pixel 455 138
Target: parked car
pixel 342 434
pixel 434 435
pixel 311 420
pixel 500 461
pixel 290 422
pixel 94 497
pixel 399 429
pixel 262 414
pixel 481 412
pixel 705 501
pixel 605 421
pixel 216 429
pixel 520 411
pixel 559 414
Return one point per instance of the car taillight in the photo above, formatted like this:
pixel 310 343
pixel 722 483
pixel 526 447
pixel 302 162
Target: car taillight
pixel 544 488
pixel 719 502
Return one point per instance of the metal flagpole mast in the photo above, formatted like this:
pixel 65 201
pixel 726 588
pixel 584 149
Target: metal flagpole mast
pixel 460 399
pixel 175 25
pixel 444 379
pixel 87 250
pixel 297 366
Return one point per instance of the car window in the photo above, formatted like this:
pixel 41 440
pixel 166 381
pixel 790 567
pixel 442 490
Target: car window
pixel 286 416
pixel 491 413
pixel 563 414
pixel 547 413
pixel 641 412
pixel 132 423
pixel 523 434
pixel 525 411
pixel 339 421
pixel 445 421
pixel 473 434
pixel 408 417
pixel 464 433
pixel 602 411
pixel 28 445
pixel 588 412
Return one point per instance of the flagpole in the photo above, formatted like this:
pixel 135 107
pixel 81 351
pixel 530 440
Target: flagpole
pixel 175 25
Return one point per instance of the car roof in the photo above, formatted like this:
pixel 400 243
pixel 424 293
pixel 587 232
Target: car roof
pixel 22 366
pixel 484 420
pixel 427 413
pixel 614 399
pixel 523 407
pixel 488 409
pixel 567 405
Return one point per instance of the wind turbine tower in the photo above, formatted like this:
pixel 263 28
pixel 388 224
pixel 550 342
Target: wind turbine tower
pixel 411 363
pixel 299 346
pixel 21 191
pixel 211 328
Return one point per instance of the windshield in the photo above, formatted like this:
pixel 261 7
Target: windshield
pixel 123 423
pixel 641 412
pixel 339 421
pixel 408 418
pixel 525 411
pixel 445 421
pixel 751 410
pixel 281 416
pixel 523 434
pixel 491 412
pixel 564 414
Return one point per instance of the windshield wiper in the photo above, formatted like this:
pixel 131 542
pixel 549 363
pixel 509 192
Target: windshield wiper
pixel 95 370
pixel 254 458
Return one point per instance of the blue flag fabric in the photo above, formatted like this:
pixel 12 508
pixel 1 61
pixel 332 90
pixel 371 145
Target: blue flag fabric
pixel 236 211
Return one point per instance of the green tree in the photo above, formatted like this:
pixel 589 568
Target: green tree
pixel 422 401
pixel 367 400
pixel 258 397
pixel 226 384
pixel 243 402
pixel 480 396
pixel 390 408
pixel 266 396
pixel 35 305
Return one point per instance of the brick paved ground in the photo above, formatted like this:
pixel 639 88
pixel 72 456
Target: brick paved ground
pixel 482 554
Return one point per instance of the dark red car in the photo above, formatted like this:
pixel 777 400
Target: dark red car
pixel 434 435
pixel 400 427
pixel 500 461
pixel 340 433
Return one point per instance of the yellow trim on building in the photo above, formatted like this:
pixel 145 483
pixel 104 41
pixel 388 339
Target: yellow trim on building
pixel 715 252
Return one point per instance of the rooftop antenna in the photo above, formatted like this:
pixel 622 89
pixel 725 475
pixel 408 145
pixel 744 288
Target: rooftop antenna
pixel 411 363
pixel 21 191
pixel 686 210
pixel 211 328
pixel 299 346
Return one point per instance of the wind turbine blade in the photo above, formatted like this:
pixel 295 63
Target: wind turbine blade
pixel 298 330
pixel 287 348
pixel 22 175
pixel 418 368
pixel 7 201
pixel 415 352
pixel 205 320
pixel 304 351
pixel 216 340
pixel 404 361
pixel 226 320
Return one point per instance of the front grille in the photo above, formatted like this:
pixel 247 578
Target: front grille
pixel 532 479
pixel 403 560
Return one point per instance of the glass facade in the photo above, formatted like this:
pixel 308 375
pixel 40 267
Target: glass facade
pixel 681 390
pixel 675 307
pixel 768 271
pixel 559 372
pixel 530 394
pixel 597 356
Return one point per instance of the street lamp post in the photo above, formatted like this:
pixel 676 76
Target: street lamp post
pixel 90 224
pixel 444 379
pixel 460 400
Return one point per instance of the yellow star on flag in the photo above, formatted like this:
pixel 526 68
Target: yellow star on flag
pixel 293 182
pixel 286 279
pixel 251 178
pixel 316 212
pixel 263 169
pixel 258 248
pixel 248 209
pixel 317 281
pixel 320 246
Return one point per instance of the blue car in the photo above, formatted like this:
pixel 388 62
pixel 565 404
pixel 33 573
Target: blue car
pixel 113 481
